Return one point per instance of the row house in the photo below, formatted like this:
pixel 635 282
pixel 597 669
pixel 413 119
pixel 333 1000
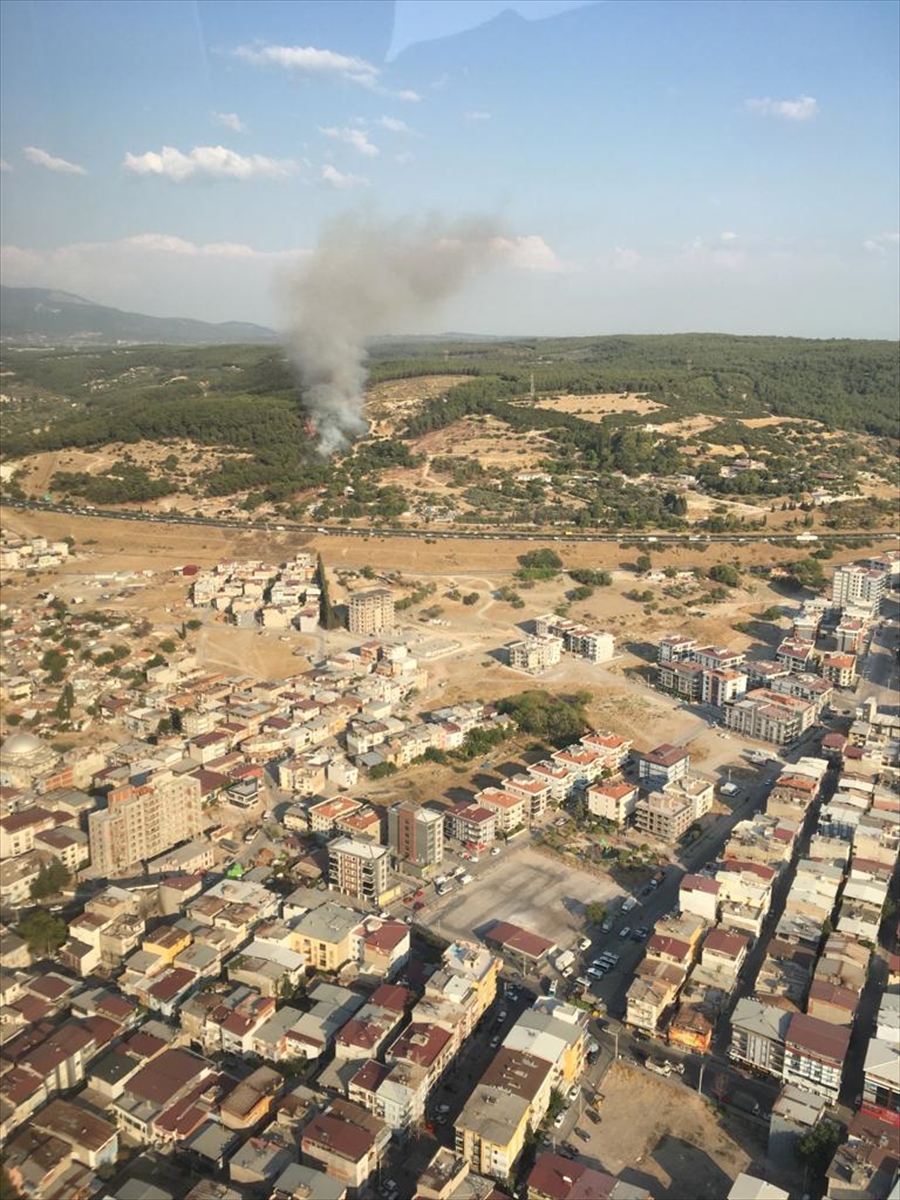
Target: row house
pixel 225 1019
pixel 763 838
pixel 155 1101
pixel 364 1035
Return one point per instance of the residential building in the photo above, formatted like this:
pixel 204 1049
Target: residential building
pixel 758 1033
pixel 840 669
pixel 661 766
pixel 612 801
pixel 535 654
pixel 470 823
pixel 682 678
pixel 416 834
pixel 769 716
pixel 347 1142
pixel 371 611
pixel 142 821
pixel 664 816
pixel 328 936
pixel 814 1055
pixel 358 869
pixel 577 639
pixel 859 587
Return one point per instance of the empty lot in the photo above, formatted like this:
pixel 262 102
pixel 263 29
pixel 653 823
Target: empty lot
pixel 525 888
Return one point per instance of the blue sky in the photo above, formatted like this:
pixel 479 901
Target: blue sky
pixel 649 167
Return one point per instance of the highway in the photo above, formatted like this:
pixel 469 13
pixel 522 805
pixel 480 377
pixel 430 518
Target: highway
pixel 504 535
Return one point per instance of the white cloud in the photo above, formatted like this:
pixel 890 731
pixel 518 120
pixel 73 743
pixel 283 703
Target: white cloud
pixel 530 253
pixel 4 165
pixel 231 121
pixel 477 116
pixel 409 96
pixel 351 137
pixel 881 242
pixel 403 158
pixel 165 243
pixel 727 236
pixel 392 124
pixel 804 108
pixel 310 61
pixel 41 158
pixel 207 162
pixel 339 179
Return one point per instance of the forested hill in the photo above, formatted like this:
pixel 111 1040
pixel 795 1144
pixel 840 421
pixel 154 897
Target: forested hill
pixel 43 317
pixel 845 384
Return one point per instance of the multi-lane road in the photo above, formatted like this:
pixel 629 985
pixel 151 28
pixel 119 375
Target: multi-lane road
pixel 424 533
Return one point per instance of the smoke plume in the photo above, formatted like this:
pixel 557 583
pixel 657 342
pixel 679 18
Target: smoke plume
pixel 365 277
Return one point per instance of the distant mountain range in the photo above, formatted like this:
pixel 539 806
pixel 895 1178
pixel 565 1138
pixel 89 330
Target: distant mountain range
pixel 44 317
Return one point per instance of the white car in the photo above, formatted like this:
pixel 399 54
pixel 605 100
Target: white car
pixel 573 1092
pixel 558 1119
pixel 495 850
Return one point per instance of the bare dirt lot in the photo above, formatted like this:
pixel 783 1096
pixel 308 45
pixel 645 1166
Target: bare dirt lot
pixel 657 1133
pixel 526 888
pixel 595 406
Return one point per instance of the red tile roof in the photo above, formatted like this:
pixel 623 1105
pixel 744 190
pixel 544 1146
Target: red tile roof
pixel 513 937
pixel 819 1038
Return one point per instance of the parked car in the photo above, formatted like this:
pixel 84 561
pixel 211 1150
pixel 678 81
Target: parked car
pixel 593 1116
pixel 558 1119
pixel 624 931
pixel 583 1134
pixel 573 1092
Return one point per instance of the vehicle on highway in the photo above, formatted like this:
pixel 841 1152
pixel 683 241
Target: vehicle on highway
pixel 495 1041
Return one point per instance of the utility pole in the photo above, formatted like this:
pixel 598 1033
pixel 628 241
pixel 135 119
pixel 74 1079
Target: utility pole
pixel 700 1080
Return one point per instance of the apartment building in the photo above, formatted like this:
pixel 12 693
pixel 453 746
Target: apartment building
pixel 859 587
pixel 416 834
pixel 472 823
pixel 535 654
pixel 614 802
pixel 142 821
pixel 662 766
pixel 814 1055
pixel 664 816
pixel 358 869
pixel 576 639
pixel 371 611
pixel 770 717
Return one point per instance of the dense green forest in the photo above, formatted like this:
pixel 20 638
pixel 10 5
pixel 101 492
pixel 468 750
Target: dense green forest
pixel 244 399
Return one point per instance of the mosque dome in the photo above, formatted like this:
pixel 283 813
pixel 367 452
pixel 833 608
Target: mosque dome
pixel 22 745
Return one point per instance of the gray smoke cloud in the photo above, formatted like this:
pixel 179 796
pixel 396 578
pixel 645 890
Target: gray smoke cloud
pixel 366 276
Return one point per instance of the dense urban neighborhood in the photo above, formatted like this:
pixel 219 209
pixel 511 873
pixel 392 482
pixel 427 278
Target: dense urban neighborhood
pixel 242 957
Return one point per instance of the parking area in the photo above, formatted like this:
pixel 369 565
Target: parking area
pixel 658 1133
pixel 525 888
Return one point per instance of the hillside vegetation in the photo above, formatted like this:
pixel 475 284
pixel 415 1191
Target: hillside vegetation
pixel 243 400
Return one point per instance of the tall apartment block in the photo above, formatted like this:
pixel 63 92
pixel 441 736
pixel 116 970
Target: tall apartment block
pixel 371 611
pixel 862 587
pixel 416 835
pixel 358 869
pixel 141 821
